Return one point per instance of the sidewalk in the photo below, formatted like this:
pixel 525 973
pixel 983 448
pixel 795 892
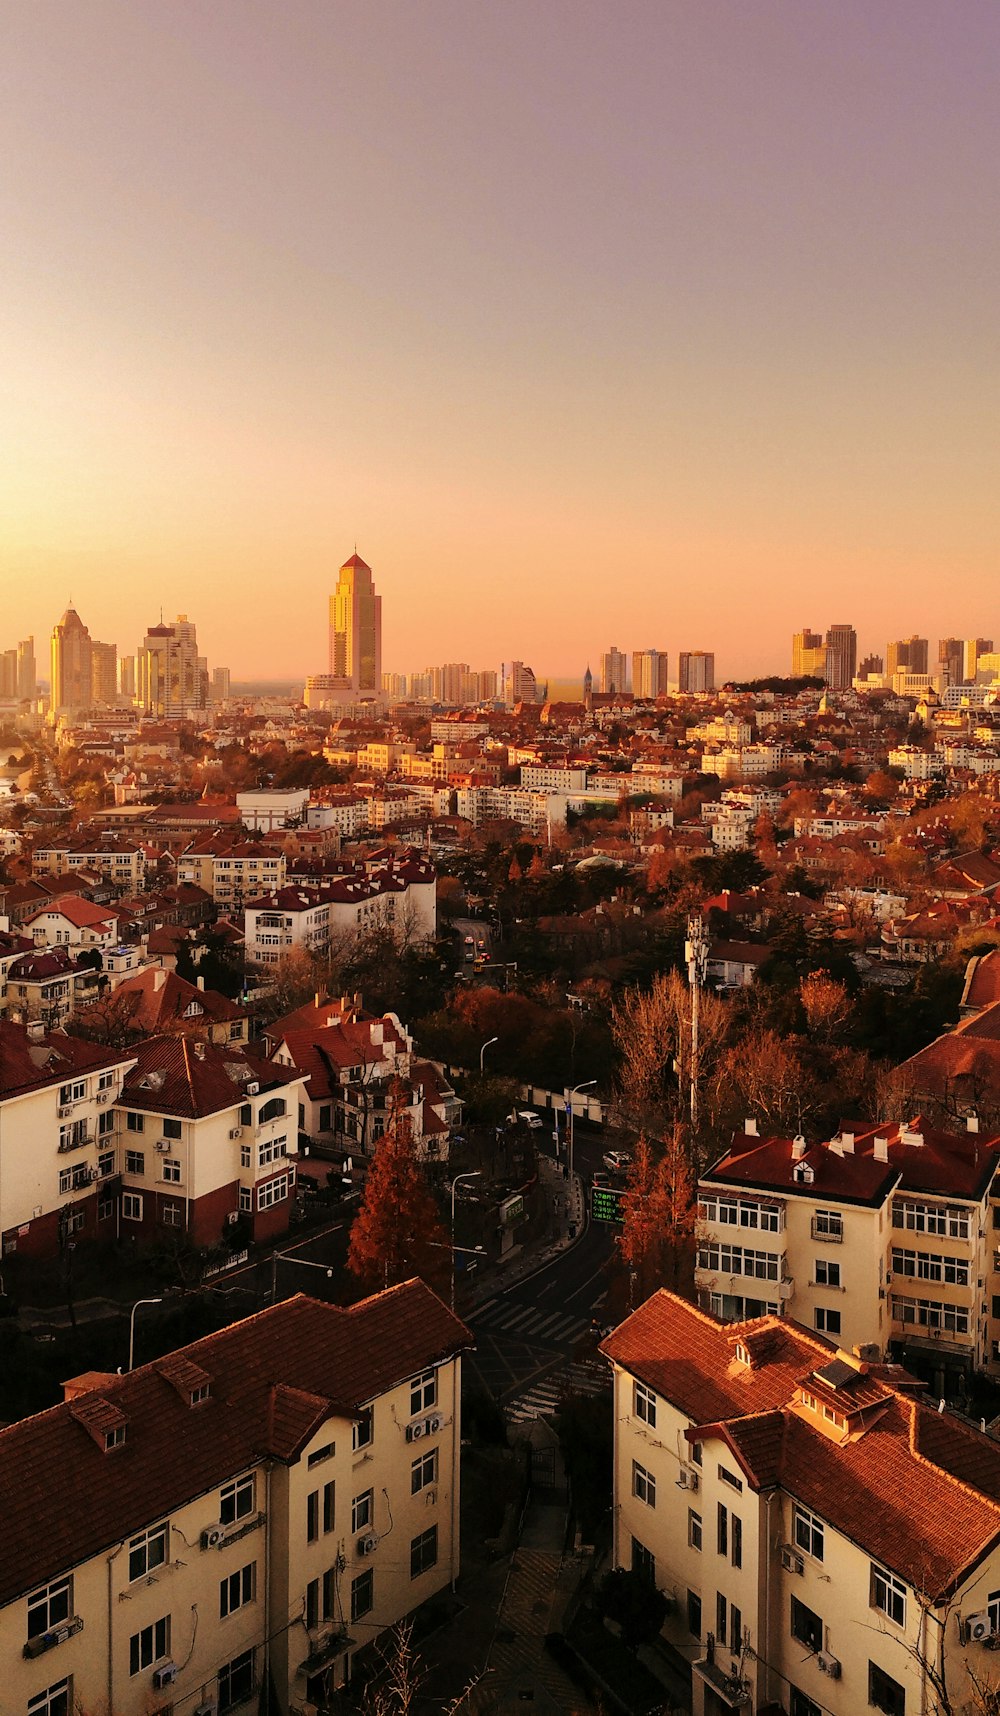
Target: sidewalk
pixel 567 1221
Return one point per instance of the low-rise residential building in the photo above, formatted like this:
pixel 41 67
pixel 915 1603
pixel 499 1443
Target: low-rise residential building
pixel 50 985
pixel 399 895
pixel 828 1543
pixel 121 860
pixel 232 871
pixel 256 1509
pixel 73 922
pixel 152 1000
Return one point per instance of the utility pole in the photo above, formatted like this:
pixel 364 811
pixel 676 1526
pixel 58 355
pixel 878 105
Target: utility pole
pixel 696 954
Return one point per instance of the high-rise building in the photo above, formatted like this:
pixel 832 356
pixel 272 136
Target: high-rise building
pixel 171 677
pixel 649 673
pixel 27 680
pixel 909 654
pixel 973 648
pixel 696 670
pixel 808 655
pixel 872 667
pixel 520 685
pixel 841 657
pixel 588 688
pixel 454 681
pixel 950 660
pixel 126 678
pixel 8 674
pixel 70 689
pixel 103 674
pixel 488 685
pixel 614 670
pixel 221 685
pixel 356 633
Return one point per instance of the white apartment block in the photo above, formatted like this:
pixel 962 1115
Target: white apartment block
pixel 400 895
pixel 256 1510
pixel 538 778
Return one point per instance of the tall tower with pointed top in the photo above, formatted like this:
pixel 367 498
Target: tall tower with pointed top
pixel 356 631
pixel 70 688
pixel 588 688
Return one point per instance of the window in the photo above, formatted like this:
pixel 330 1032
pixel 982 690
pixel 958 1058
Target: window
pixel 273 1191
pixel 312 1516
pixel 271 1109
pixel 171 1128
pixel 171 1170
pixel 329 1505
pixel 105 1081
pixel 65 1181
pixel 105 1122
pixel 423 1471
pixel 105 1209
pixel 171 1215
pixel 806 1626
pixel 237 1500
pixel 423 1392
pixel 135 1122
pixel 885 1693
pixel 827 1273
pixel 312 1603
pixel 643 1484
pixel 828 1224
pixel 947 1221
pixel 246 1155
pixel 330 1593
pixel 726 1259
pixel 827 1322
pixel 56 1701
pixel 237 1682
pixel 362 1432
pixel 803 1706
pixel 361 1511
pixel 135 1162
pixel 49 1607
pixel 721 1618
pixel 644 1404
pixel 643 1561
pixel 735 1628
pixel 150 1645
pixel 722 1530
pixel 74 1092
pixel 931 1314
pixel 424 1552
pixel 362 1594
pixel 319 1454
pixel 147 1551
pixel 694 1614
pixel 237 1590
pixel 694 1529
pixel 730 1478
pixel 807 1533
pixel 737 1537
pixel 246 1200
pixel 271 1150
pixel 888 1594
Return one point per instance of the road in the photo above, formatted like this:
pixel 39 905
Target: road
pixel 535 1338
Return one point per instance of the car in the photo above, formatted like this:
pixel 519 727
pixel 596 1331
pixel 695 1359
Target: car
pixel 533 1121
pixel 601 1179
pixel 617 1161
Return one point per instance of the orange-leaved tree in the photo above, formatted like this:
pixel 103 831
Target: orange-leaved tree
pixel 656 1241
pixel 397 1232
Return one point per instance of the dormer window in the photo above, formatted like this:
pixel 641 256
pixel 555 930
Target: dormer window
pixel 114 1438
pixel 803 1174
pixel 199 1394
pixel 742 1355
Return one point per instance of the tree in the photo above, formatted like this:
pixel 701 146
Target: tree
pixel 634 1602
pixel 657 1234
pixel 825 1003
pixel 397 1232
pixel 652 1034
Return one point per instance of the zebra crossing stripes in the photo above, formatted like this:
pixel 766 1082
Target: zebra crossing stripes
pixel 529 1324
pixel 543 1399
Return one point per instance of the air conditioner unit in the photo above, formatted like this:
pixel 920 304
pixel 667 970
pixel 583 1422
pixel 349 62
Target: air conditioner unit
pixel 978 1628
pixel 414 1432
pixel 237 1132
pixel 791 1560
pixel 828 1664
pixel 253 1088
pixel 433 1424
pixel 232 1218
pixel 162 1146
pixel 104 1096
pixel 688 1479
pixel 212 1536
pixel 207 1709
pixel 165 1675
pixel 367 1543
pixel 64 1112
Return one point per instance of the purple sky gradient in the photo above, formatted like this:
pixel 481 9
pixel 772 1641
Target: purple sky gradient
pixel 645 324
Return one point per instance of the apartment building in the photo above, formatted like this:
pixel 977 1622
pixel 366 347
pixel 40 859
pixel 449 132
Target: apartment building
pixel 49 985
pixel 232 871
pixel 73 922
pixel 882 1238
pixel 203 1136
pixel 122 862
pixel 399 895
pixel 828 1543
pixel 260 1507
pixel 57 1097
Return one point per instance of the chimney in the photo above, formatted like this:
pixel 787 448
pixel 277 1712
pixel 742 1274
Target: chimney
pixel 972 1123
pixel 36 1030
pixel 837 1146
pixel 159 979
pixel 201 982
pixel 798 1148
pixel 199 1051
pixel 749 1127
pixel 847 1141
pixel 881 1148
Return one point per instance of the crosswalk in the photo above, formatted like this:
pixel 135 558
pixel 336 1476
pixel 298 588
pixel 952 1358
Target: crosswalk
pixel 528 1323
pixel 587 1376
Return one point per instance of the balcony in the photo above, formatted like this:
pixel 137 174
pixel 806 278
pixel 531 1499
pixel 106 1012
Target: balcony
pixel 731 1689
pixel 74 1143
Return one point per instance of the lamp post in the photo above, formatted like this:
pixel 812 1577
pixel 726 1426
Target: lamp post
pixel 131 1326
pixel 482 1052
pixel 474 1174
pixel 299 1262
pixel 586 1085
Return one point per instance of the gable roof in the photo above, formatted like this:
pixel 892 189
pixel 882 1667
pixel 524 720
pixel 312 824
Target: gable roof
pixel 174 1075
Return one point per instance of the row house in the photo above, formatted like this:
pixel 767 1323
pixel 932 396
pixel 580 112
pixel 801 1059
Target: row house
pixel 232 871
pixel 204 1135
pixel 260 1508
pixel 827 1542
pixel 57 1118
pixel 883 1238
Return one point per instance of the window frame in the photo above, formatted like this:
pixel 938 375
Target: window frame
pixel 362 1512
pixel 423 1392
pixel 233 1506
pixel 811 1528
pixel 50 1606
pixel 644 1405
pixel 150 1645
pixel 423 1471
pixel 362 1594
pixel 154 1536
pixel 424 1541
pixel 888 1594
pixel 643 1484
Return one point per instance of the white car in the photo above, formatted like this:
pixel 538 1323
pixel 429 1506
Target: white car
pixel 617 1161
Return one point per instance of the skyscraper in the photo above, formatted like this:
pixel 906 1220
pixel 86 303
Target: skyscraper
pixel 614 670
pixel 808 655
pixel 649 673
pixel 841 656
pixel 356 633
pixel 909 654
pixel 696 670
pixel 27 682
pixel 950 660
pixel 104 674
pixel 973 649
pixel 171 677
pixel 71 685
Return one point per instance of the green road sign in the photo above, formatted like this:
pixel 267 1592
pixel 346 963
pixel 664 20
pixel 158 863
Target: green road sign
pixel 607 1203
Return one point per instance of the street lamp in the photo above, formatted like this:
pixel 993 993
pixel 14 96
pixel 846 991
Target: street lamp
pixel 482 1052
pixel 586 1085
pixel 474 1174
pixel 131 1326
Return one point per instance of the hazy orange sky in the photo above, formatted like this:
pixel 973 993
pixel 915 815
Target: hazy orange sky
pixel 643 323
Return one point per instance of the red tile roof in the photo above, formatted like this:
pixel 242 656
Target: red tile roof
pixel 274 1377
pixel 27 1063
pixel 174 1075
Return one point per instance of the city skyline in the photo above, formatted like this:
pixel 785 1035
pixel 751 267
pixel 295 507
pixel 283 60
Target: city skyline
pixel 722 356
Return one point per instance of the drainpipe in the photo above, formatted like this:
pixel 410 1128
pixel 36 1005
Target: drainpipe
pixel 765 1656
pixel 267 1581
pixel 111 1655
pixel 456 1454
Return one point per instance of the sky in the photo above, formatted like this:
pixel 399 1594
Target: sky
pixel 643 323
